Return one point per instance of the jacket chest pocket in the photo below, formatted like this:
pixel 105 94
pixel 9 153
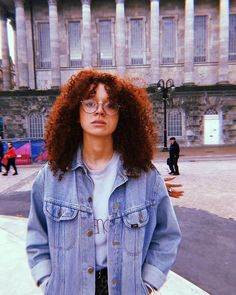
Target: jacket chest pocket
pixel 134 230
pixel 63 225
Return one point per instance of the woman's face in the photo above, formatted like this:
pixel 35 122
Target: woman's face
pixel 103 121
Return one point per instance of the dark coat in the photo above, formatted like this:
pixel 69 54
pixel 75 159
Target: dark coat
pixel 1 150
pixel 174 150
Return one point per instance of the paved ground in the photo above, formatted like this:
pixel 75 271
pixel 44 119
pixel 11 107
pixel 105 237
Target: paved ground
pixel 207 216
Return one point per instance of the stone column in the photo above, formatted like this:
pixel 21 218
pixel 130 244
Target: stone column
pixel 120 37
pixel 223 42
pixel 189 42
pixel 21 45
pixel 155 41
pixel 16 77
pixel 5 51
pixel 54 44
pixel 86 34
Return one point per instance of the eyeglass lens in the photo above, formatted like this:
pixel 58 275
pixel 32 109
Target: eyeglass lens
pixel 91 106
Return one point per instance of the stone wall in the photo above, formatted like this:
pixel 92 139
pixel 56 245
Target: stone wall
pixel 15 108
pixel 193 102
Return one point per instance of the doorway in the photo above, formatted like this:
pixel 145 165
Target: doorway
pixel 211 129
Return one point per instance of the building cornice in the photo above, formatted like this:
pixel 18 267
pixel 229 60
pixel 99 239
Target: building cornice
pixel 217 89
pixel 30 92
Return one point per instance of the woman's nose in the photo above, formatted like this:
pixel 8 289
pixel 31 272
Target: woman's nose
pixel 100 109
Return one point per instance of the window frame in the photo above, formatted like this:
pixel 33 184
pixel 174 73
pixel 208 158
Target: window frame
pixel 112 20
pixel 144 45
pixel 39 54
pixel 78 62
pixel 39 134
pixel 175 22
pixel 233 54
pixel 180 112
pixel 206 40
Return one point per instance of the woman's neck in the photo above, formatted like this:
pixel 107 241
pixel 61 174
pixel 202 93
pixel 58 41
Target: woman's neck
pixel 96 153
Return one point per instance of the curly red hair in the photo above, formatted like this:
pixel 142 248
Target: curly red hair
pixel 135 136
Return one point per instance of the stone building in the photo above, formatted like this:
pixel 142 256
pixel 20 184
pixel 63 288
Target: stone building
pixel 12 75
pixel 192 42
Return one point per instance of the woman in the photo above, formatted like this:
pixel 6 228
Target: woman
pixel 101 220
pixel 1 153
pixel 10 157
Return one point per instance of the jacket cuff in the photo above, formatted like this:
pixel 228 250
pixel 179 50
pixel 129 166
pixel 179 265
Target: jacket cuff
pixel 153 276
pixel 41 270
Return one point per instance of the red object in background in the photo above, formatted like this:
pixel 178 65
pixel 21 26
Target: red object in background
pixel 24 159
pixel 4 161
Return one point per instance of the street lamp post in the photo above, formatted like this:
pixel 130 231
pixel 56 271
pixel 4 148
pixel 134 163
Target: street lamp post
pixel 165 88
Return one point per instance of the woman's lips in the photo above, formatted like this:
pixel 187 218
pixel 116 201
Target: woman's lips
pixel 98 122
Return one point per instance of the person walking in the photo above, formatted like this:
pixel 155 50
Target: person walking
pixel 1 153
pixel 174 151
pixel 101 220
pixel 10 156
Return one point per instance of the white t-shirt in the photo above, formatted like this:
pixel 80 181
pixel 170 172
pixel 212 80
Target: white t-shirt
pixel 103 183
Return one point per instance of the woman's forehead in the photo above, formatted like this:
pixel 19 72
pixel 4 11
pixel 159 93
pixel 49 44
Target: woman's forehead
pixel 98 89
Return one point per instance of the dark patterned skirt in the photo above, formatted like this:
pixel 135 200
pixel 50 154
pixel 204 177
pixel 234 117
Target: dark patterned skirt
pixel 101 282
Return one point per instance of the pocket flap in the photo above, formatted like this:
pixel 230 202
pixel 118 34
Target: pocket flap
pixel 59 212
pixel 136 219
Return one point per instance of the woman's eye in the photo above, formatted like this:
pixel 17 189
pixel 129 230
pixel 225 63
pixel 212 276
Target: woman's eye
pixel 90 104
pixel 111 105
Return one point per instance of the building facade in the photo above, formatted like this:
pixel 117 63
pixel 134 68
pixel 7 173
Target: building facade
pixel 192 42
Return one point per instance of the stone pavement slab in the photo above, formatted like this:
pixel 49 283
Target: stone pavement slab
pixel 207 185
pixel 21 182
pixel 15 276
pixel 207 217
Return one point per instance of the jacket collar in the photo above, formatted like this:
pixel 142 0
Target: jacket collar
pixel 77 162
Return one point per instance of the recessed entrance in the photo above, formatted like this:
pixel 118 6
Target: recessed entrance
pixel 211 129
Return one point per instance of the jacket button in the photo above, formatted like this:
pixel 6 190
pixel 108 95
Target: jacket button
pixel 114 282
pixel 116 206
pixel 90 199
pixel 116 243
pixel 90 233
pixel 90 270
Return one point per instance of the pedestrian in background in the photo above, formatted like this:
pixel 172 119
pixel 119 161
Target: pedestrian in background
pixel 10 157
pixel 101 220
pixel 174 156
pixel 1 153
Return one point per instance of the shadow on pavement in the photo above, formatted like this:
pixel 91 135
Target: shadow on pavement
pixel 207 255
pixel 17 204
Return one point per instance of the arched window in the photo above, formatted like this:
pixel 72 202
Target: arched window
pixel 211 111
pixel 36 125
pixel 175 123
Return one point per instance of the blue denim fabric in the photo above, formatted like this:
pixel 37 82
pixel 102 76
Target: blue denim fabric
pixel 143 234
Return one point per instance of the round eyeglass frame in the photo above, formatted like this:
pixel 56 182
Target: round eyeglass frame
pixel 115 111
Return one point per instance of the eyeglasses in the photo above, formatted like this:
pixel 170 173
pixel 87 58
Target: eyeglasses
pixel 90 106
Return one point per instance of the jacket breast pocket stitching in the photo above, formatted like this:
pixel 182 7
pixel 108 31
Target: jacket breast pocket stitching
pixel 58 212
pixel 136 219
pixel 134 231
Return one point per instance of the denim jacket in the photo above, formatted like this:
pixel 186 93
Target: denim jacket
pixel 142 240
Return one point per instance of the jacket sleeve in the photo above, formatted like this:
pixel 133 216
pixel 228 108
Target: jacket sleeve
pixel 37 246
pixel 165 240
